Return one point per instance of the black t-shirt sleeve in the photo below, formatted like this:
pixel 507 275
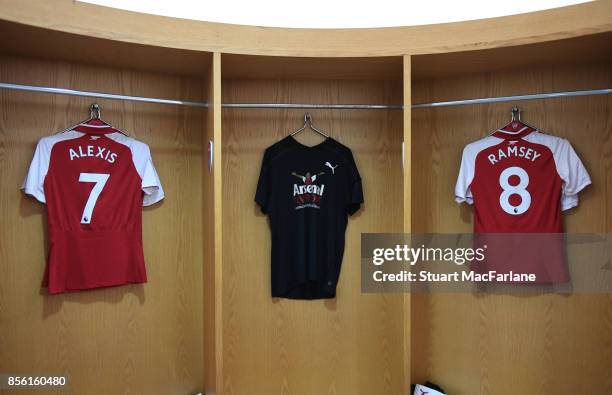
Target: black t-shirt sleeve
pixel 354 188
pixel 262 195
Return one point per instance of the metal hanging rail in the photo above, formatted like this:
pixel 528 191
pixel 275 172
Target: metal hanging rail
pixel 503 99
pixel 72 92
pixel 315 106
pixel 422 105
pixel 101 95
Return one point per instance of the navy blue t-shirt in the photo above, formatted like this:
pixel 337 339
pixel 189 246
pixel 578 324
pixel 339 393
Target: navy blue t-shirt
pixel 308 194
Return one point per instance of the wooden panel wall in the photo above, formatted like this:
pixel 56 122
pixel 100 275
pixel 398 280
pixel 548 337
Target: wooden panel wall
pixel 350 345
pixel 407 205
pixel 510 344
pixel 212 231
pixel 131 339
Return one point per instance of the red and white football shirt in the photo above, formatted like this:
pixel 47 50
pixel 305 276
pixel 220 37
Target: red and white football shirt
pixel 520 183
pixel 94 181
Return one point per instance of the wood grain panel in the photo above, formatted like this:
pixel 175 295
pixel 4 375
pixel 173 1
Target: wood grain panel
pixel 509 344
pixel 407 206
pixel 212 233
pixel 350 345
pixel 109 23
pixel 594 47
pixel 29 41
pixel 131 339
pixel 279 67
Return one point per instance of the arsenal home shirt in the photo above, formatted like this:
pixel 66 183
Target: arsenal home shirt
pixel 520 183
pixel 94 182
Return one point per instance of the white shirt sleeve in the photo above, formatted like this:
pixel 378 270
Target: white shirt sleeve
pixel 466 176
pixel 572 172
pixel 34 183
pixel 151 185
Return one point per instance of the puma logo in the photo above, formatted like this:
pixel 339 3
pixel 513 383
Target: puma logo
pixel 333 168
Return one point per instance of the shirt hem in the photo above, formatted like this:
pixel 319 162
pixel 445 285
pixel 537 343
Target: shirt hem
pixel 93 287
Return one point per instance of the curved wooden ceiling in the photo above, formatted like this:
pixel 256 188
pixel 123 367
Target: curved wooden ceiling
pixel 108 23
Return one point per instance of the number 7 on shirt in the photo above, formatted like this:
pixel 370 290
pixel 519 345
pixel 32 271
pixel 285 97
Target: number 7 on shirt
pixel 100 181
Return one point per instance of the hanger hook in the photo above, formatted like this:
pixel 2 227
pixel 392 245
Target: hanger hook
pixel 516 113
pixel 94 111
pixel 308 119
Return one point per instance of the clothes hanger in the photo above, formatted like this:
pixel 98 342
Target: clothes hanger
pixel 308 124
pixel 94 121
pixel 516 125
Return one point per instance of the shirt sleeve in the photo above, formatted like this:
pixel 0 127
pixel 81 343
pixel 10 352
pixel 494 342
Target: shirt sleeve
pixel 262 195
pixel 151 185
pixel 35 179
pixel 354 188
pixel 465 178
pixel 573 174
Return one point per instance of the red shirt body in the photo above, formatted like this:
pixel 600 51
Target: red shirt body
pixel 94 182
pixel 519 184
